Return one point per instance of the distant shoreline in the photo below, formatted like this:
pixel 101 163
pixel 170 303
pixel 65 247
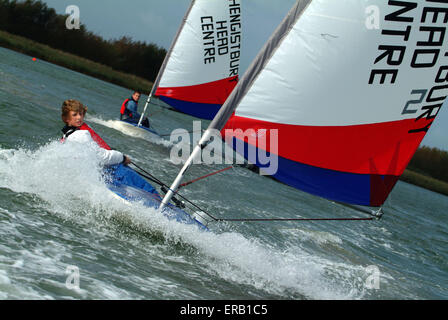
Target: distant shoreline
pixel 97 70
pixel 425 181
pixel 73 62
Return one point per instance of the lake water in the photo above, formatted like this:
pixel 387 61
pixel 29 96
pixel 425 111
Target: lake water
pixel 57 218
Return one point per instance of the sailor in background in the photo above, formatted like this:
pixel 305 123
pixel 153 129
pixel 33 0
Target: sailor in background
pixel 128 111
pixel 76 130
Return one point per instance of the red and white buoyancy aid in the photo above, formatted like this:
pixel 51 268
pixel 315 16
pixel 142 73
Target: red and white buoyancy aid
pixel 107 155
pixel 95 137
pixel 67 130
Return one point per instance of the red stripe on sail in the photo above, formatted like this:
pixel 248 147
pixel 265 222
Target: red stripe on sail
pixel 215 92
pixel 364 149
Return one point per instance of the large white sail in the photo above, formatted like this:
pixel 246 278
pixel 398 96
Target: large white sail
pixel 351 87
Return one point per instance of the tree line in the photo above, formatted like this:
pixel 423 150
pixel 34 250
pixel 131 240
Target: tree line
pixel 34 20
pixel 430 161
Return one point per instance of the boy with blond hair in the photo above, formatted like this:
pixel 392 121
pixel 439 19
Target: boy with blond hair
pixel 73 112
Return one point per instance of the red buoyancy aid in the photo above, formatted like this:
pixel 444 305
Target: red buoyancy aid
pixel 123 106
pixel 95 137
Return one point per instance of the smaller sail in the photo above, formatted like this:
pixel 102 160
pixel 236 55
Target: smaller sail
pixel 202 65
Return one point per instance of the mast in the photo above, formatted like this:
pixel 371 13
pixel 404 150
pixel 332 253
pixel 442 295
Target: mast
pixel 144 110
pixel 165 61
pixel 175 185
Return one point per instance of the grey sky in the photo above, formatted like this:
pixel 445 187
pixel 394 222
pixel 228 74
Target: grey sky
pixel 157 21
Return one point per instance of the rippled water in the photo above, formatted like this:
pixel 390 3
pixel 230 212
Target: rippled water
pixel 56 215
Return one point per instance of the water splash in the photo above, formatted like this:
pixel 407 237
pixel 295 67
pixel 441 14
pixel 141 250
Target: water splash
pixel 130 130
pixel 67 178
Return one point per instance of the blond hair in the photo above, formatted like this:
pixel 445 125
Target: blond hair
pixel 72 105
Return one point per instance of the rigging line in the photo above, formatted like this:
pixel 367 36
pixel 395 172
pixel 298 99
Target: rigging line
pixel 211 174
pixel 154 179
pixel 193 204
pixel 375 217
pixel 296 219
pixel 203 177
pixel 150 176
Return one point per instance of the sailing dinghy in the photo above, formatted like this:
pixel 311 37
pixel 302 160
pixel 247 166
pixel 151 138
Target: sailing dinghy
pixel 342 94
pixel 198 74
pixel 131 186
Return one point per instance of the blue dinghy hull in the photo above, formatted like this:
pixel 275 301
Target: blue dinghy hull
pixel 133 123
pixel 130 186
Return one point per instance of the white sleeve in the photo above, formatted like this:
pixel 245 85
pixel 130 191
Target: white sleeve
pixel 107 157
pixel 110 157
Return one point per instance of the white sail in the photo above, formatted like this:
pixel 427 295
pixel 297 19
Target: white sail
pixel 202 65
pixel 351 87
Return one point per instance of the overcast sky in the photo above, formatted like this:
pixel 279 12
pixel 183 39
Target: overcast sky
pixel 157 21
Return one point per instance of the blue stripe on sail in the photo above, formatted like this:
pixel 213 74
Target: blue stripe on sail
pixel 334 185
pixel 199 110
